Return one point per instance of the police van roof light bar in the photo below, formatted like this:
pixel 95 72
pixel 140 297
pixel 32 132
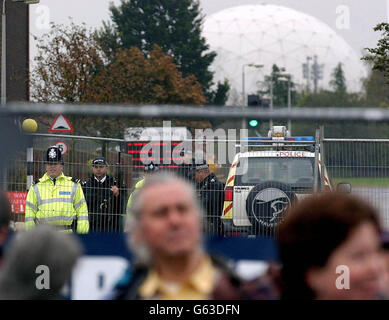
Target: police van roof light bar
pixel 302 138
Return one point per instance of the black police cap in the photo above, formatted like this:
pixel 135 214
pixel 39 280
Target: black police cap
pixel 53 155
pixel 200 165
pixel 99 161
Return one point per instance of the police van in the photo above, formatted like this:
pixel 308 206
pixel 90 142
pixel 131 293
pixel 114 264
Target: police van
pixel 266 177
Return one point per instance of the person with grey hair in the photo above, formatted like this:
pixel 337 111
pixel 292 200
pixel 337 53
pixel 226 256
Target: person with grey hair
pixel 38 264
pixel 165 235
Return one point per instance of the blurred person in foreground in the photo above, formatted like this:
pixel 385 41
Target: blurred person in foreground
pixel 31 252
pixel 56 199
pixel 385 245
pixel 5 219
pixel 165 235
pixel 320 237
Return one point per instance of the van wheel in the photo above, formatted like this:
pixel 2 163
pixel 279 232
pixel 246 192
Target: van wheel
pixel 266 205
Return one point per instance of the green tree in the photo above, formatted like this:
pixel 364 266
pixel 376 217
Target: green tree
pixel 338 82
pixel 175 26
pixel 72 67
pixel 379 55
pixel 220 95
pixel 281 80
pixel 134 78
pixel 376 89
pixel 68 58
pixel 338 97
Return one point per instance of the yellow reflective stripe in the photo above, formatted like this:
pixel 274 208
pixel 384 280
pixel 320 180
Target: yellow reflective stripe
pixel 74 190
pixel 53 200
pixel 76 206
pixel 55 218
pixel 37 195
pixel 29 219
pixel 228 214
pixel 31 205
pixel 82 218
pixel 231 176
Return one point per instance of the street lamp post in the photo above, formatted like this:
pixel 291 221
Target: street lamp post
pixel 244 103
pixel 30 150
pixel 271 102
pixel 287 78
pixel 289 108
pixel 269 84
pixel 3 56
pixel 4 48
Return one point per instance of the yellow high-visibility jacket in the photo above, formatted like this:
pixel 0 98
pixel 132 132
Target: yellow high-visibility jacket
pixel 57 204
pixel 138 185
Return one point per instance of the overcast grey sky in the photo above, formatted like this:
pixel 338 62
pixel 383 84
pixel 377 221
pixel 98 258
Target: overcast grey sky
pixel 364 15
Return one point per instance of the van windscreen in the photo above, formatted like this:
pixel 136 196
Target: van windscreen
pixel 251 171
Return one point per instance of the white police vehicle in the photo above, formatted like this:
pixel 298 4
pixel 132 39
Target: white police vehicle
pixel 267 177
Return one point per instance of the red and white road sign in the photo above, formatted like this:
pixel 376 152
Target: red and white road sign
pixel 61 124
pixel 18 201
pixel 63 147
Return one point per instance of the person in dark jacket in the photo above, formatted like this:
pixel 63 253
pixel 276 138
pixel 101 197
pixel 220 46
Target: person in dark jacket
pixel 211 194
pixel 187 169
pixel 103 198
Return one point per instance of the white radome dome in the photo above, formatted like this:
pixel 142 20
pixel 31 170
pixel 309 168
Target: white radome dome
pixel 269 34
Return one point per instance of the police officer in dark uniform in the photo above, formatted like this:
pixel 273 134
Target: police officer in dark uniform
pixel 211 194
pixel 104 199
pixel 187 169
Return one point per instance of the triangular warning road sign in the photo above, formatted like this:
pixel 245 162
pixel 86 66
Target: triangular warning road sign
pixel 61 124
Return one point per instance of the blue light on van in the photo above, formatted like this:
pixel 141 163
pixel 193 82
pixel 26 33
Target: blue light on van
pixel 304 138
pixel 301 138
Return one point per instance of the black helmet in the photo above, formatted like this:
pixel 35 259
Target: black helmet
pixel 200 165
pixel 151 167
pixel 53 155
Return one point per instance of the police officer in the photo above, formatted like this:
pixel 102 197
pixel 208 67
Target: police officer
pixel 186 169
pixel 103 198
pixel 211 195
pixel 148 170
pixel 56 199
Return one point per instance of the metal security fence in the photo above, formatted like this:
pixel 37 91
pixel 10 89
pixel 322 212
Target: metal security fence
pixel 78 153
pixel 361 162
pixel 364 163
pixel 126 163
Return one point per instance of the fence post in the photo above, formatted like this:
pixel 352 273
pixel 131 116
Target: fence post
pixel 322 157
pixel 72 160
pixel 104 149
pixel 316 162
pixel 30 164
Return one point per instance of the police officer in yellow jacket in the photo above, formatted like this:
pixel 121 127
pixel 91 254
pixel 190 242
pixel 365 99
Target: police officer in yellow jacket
pixel 56 199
